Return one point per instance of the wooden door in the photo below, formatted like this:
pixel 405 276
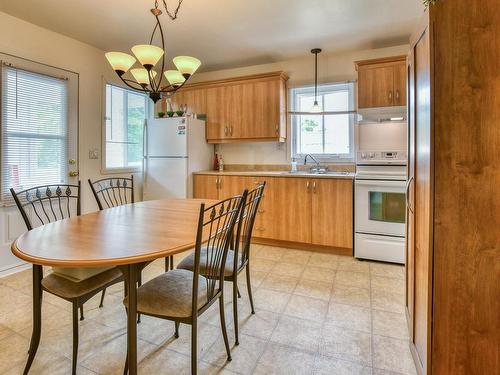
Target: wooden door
pixel 206 186
pixel 399 89
pixel 266 122
pixel 332 216
pixel 375 86
pixel 288 209
pixel 235 115
pixel 233 185
pixel 216 113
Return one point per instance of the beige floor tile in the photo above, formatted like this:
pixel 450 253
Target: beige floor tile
pixel 314 289
pixel 207 335
pixel 390 324
pixel 295 256
pixel 244 356
pixel 387 284
pixel 260 325
pixel 328 366
pixel 326 275
pixel 268 252
pixel 350 317
pixel 387 301
pixel 155 331
pixel 307 308
pixel 387 270
pixel 329 261
pixel 392 355
pixel 353 265
pixel 256 278
pixel 13 352
pixel 281 283
pixel 21 281
pixel 346 344
pixel 356 279
pixel 271 300
pixel 288 269
pixel 5 332
pixel 351 295
pixel 278 359
pixel 299 333
pixel 377 371
pixel 262 265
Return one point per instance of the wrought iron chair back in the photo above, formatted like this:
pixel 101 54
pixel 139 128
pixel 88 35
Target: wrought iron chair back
pixel 45 204
pixel 114 191
pixel 245 226
pixel 216 226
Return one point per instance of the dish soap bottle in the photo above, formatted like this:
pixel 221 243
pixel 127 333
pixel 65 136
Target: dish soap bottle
pixel 221 164
pixel 294 165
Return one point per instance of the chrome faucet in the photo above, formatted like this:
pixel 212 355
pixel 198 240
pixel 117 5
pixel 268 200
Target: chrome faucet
pixel 312 157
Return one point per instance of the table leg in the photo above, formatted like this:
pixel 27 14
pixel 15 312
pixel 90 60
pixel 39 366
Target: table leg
pixel 37 315
pixel 130 275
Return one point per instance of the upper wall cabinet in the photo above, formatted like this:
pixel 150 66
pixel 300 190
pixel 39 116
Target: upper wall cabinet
pixel 382 82
pixel 250 108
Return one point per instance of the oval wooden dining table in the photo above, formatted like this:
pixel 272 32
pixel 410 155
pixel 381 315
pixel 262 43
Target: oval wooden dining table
pixel 128 237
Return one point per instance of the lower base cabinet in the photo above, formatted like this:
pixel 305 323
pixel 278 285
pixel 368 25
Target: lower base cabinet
pixel 307 211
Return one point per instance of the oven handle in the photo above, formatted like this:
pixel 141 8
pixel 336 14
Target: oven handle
pixel 380 183
pixel 410 180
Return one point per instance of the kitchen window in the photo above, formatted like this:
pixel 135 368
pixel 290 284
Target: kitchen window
pixel 38 126
pixel 328 135
pixel 126 111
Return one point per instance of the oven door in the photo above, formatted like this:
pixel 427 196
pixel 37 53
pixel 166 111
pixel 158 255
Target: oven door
pixel 380 207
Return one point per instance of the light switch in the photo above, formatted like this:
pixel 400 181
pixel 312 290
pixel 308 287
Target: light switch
pixel 94 154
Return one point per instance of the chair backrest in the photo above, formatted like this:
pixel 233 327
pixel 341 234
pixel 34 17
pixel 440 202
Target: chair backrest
pixel 215 230
pixel 45 204
pixel 245 226
pixel 113 191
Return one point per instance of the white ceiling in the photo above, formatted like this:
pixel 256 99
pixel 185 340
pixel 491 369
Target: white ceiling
pixel 230 33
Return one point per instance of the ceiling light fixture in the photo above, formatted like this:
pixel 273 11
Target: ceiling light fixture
pixel 149 56
pixel 316 108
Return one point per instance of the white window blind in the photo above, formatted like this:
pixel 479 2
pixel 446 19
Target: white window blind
pixel 126 111
pixel 330 133
pixel 34 130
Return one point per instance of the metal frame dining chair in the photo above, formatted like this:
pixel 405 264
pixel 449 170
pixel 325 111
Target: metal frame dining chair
pixel 237 260
pixel 116 191
pixel 45 204
pixel 182 295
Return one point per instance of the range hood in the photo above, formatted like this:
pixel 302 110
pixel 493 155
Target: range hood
pixel 381 114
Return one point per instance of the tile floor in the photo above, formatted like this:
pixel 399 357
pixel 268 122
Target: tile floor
pixel 315 314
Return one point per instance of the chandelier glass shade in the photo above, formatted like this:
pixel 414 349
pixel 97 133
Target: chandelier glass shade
pixel 152 60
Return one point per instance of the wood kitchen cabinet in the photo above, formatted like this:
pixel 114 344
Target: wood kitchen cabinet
pixel 250 108
pixel 331 210
pixel 382 82
pixel 206 186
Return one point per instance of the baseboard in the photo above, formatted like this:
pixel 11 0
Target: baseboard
pixel 303 246
pixel 14 269
pixel 416 359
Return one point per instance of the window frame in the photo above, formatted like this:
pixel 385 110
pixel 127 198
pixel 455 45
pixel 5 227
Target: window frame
pixel 295 116
pixel 117 170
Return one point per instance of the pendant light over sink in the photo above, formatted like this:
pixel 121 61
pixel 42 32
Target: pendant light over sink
pixel 149 55
pixel 316 108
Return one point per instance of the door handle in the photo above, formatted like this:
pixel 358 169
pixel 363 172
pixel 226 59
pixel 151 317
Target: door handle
pixel 410 180
pixel 73 173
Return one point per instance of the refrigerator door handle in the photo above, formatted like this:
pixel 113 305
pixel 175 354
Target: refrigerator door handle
pixel 145 154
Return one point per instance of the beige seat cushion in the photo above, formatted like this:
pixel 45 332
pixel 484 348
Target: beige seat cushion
pixel 62 287
pixel 188 262
pixel 79 274
pixel 170 294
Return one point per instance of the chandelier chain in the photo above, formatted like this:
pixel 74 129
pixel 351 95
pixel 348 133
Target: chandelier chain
pixel 172 15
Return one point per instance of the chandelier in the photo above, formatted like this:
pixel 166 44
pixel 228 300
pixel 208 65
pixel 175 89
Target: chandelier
pixel 146 78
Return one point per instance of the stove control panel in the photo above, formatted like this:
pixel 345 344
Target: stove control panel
pixel 381 157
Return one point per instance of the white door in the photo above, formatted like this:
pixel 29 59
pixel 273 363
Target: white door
pixel 39 121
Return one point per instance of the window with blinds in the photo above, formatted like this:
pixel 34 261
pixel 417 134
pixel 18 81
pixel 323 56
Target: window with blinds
pixel 34 130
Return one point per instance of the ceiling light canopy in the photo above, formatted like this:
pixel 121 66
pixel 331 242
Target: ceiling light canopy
pixel 150 56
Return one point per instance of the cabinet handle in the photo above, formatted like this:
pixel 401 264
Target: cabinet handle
pixel 261 211
pixel 277 130
pixel 225 130
pixel 390 97
pixel 258 182
pixel 314 187
pixel 397 96
pixel 231 130
pixel 408 194
pixel 217 183
pixel 307 185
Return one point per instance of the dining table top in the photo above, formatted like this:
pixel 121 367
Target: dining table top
pixel 132 233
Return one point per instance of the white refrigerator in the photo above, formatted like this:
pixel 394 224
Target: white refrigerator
pixel 174 148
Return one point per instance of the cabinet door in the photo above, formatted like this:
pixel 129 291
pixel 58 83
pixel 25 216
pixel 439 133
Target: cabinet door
pixel 287 208
pixel 233 185
pixel 266 122
pixel 375 86
pixel 216 113
pixel 400 84
pixel 332 212
pixel 206 186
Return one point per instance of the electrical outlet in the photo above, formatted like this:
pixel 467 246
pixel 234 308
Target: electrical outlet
pixel 94 154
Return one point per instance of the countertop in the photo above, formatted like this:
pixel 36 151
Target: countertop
pixel 333 174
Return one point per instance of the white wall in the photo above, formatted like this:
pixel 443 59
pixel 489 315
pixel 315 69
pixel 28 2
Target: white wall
pixel 332 68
